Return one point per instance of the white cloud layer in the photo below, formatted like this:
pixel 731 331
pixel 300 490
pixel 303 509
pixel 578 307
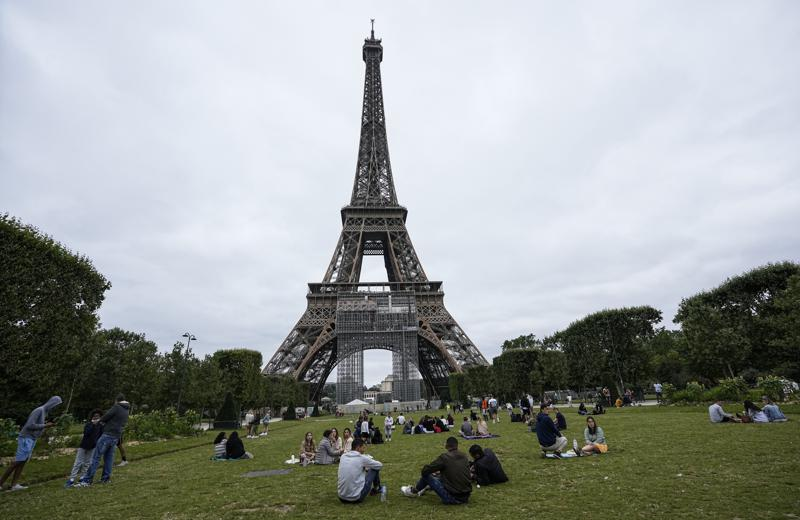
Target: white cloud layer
pixel 555 159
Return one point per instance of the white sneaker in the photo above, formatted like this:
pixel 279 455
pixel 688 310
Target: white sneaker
pixel 123 463
pixel 407 491
pixel 18 487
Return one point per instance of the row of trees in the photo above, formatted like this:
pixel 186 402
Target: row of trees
pixel 748 326
pixel 50 343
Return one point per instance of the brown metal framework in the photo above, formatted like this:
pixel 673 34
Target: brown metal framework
pixel 374 224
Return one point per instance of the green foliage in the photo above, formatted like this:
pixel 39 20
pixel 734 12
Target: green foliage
pixel 693 393
pixel 241 374
pixel 772 387
pixel 229 411
pixel 732 389
pixel 668 389
pixel 513 368
pixel 750 320
pixel 50 297
pixel 8 437
pixel 457 384
pixel 522 342
pixel 480 380
pixel 164 424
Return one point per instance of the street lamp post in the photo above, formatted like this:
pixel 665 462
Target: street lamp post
pixel 189 338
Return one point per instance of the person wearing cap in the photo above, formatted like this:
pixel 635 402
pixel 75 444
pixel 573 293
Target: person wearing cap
pixel 33 428
pixel 359 474
pixel 113 422
pixel 453 483
pixel 550 439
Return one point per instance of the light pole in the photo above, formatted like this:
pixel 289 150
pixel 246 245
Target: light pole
pixel 189 338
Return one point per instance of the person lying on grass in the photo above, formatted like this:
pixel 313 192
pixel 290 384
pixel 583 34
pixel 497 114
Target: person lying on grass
pixel 717 415
pixel 359 474
pixel 453 484
pixel 550 439
pixel 485 467
pixel 594 437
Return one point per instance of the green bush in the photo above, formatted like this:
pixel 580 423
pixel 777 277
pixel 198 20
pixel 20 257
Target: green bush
pixel 8 437
pixel 669 390
pixel 733 389
pixel 772 387
pixel 163 424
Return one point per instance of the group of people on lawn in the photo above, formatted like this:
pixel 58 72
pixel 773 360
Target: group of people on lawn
pixel 770 412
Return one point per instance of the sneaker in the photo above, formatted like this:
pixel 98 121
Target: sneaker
pixel 69 483
pixel 423 490
pixel 18 487
pixel 82 484
pixel 575 447
pixel 123 463
pixel 408 491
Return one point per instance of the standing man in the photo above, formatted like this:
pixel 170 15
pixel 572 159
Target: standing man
pixel 114 422
pixel 358 474
pixel 388 424
pixel 453 483
pixel 550 439
pixel 30 433
pixel 657 388
pixel 493 409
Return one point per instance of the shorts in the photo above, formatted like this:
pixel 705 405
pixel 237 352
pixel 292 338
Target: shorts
pixel 602 448
pixel 24 448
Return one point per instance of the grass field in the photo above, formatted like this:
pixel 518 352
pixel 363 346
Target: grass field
pixel 663 462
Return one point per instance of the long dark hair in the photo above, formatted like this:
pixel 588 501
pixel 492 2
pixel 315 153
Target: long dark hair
pixel 219 438
pixel 234 437
pixel 748 405
pixel 592 430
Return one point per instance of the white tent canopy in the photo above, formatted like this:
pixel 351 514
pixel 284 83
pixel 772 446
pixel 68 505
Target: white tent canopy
pixel 356 402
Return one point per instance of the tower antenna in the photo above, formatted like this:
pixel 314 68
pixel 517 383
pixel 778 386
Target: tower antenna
pixel 372 31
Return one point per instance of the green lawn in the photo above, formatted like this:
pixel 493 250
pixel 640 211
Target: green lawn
pixel 663 462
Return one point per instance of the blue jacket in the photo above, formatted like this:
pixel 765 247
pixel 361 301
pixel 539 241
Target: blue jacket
pixel 546 430
pixel 91 432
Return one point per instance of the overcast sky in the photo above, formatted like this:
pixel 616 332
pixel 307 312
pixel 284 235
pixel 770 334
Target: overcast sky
pixel 556 158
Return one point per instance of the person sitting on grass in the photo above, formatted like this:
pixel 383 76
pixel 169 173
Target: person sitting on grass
pixel 483 427
pixel 326 452
pixel 453 485
pixel 83 457
pixel 234 448
pixel 599 409
pixel 336 441
pixel 36 424
pixel 550 439
pixel 219 446
pixel 466 428
pixel 717 415
pixel 582 410
pixel 347 445
pixel 485 467
pixel 755 413
pixel 594 437
pixel 408 427
pixel 561 421
pixel 359 474
pixel 774 414
pixel 308 449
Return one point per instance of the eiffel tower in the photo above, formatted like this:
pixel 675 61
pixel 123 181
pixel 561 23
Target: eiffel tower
pixel 345 316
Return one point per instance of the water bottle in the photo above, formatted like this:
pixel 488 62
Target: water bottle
pixel 383 493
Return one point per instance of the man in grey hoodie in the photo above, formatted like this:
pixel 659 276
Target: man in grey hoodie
pixel 30 433
pixel 113 422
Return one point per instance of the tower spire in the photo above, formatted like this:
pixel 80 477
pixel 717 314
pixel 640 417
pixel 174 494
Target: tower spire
pixel 373 186
pixel 372 31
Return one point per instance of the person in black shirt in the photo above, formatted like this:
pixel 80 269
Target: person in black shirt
pixel 561 421
pixel 234 448
pixel 486 468
pixel 453 485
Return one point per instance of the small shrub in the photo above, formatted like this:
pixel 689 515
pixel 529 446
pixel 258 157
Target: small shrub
pixel 8 437
pixel 772 387
pixel 669 390
pixel 693 392
pixel 733 389
pixel 163 424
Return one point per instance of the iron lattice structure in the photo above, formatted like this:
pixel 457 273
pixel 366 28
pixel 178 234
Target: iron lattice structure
pixel 331 332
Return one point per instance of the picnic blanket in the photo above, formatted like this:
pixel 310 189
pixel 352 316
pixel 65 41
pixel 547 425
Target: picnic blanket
pixel 473 437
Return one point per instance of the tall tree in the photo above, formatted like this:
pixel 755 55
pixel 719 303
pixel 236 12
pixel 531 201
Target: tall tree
pixel 49 297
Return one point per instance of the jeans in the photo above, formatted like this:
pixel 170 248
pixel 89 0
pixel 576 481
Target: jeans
pixel 106 447
pixel 438 487
pixel 82 461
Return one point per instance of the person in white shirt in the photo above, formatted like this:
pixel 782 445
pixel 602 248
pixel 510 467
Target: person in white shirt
pixel 493 409
pixel 401 419
pixel 717 415
pixel 657 387
pixel 388 424
pixel 359 474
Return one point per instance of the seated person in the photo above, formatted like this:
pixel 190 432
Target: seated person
pixel 486 469
pixel 550 439
pixel 466 428
pixel 582 410
pixel 234 448
pixel 774 414
pixel 401 419
pixel 472 415
pixel 326 451
pixel 377 437
pixel 717 415
pixel 453 485
pixel 408 427
pixel 440 424
pixel 594 437
pixel 219 446
pixel 561 421
pixel 483 427
pixel 755 413
pixel 598 409
pixel 450 421
pixel 308 449
pixel 358 474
